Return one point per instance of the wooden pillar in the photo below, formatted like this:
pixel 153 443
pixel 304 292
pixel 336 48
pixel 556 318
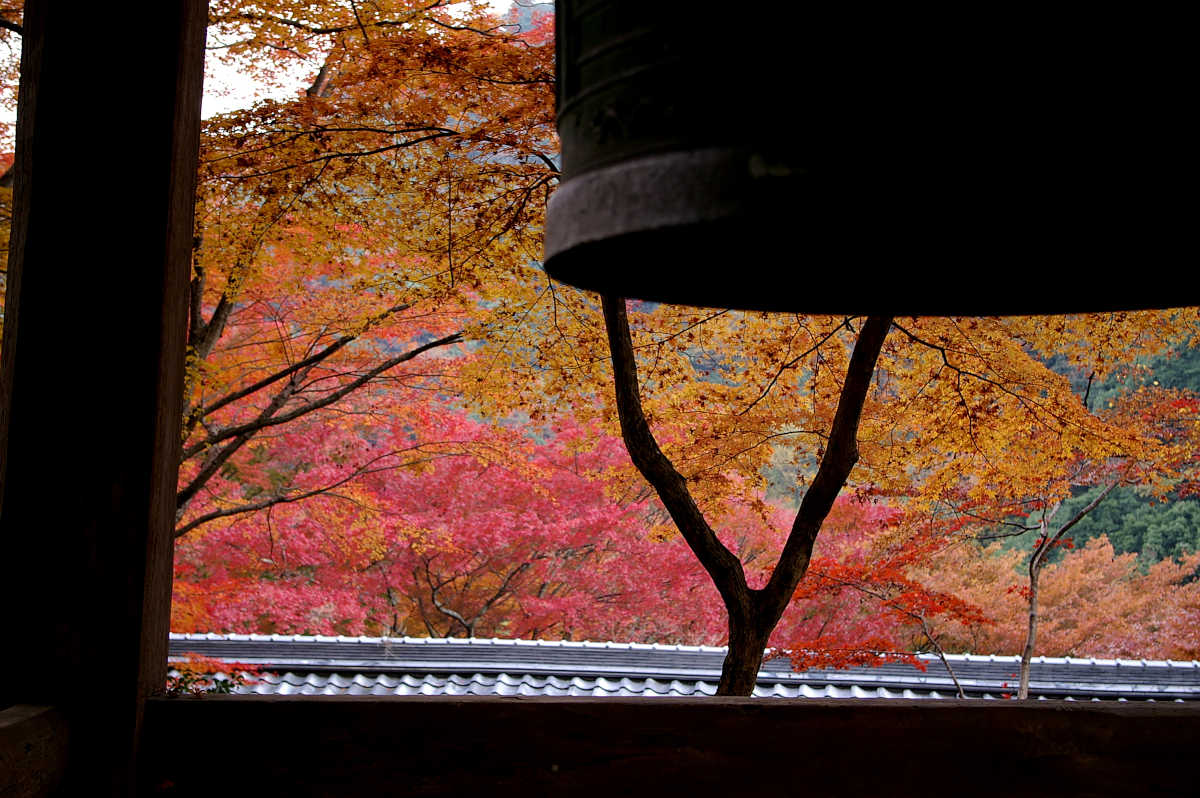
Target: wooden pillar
pixel 92 373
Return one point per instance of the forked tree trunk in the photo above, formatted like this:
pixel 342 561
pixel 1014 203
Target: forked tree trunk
pixel 753 614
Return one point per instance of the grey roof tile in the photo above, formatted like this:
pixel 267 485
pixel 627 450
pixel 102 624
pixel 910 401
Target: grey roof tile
pixel 329 665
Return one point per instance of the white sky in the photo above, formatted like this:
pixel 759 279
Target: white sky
pixel 228 89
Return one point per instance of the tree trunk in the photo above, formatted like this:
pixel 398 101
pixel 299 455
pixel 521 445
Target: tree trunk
pixel 747 641
pixel 1031 637
pixel 1037 561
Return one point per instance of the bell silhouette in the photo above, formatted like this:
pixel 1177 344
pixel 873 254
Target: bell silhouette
pixel 903 162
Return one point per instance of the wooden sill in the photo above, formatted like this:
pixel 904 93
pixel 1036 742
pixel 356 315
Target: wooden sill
pixel 33 750
pixel 349 746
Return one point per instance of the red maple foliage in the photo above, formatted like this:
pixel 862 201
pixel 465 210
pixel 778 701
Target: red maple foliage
pixel 491 535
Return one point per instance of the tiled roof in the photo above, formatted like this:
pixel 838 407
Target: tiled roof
pixel 302 665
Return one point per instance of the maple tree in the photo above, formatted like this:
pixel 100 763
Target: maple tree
pixel 1022 469
pixel 1145 437
pixel 342 240
pixel 1168 416
pixel 951 426
pixel 753 613
pixel 1025 467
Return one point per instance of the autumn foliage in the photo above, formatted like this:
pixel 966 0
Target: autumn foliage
pixel 342 242
pixel 1095 603
pixel 468 544
pixel 196 675
pixel 398 425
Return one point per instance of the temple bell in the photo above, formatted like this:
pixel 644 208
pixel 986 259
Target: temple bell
pixel 785 158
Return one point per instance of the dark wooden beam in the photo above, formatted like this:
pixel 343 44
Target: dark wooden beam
pixel 348 746
pixel 92 372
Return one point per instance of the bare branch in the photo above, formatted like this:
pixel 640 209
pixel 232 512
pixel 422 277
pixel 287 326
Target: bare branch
pixel 307 362
pixel 500 592
pixel 941 655
pixel 330 157
pixel 358 20
pixel 444 610
pixel 1020 528
pixel 1049 540
pixel 546 160
pixel 238 436
pixel 792 364
pixel 316 30
pixel 840 456
pixel 721 564
pixel 1025 401
pixel 195 312
pixel 218 457
pixel 271 420
pixel 289 498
